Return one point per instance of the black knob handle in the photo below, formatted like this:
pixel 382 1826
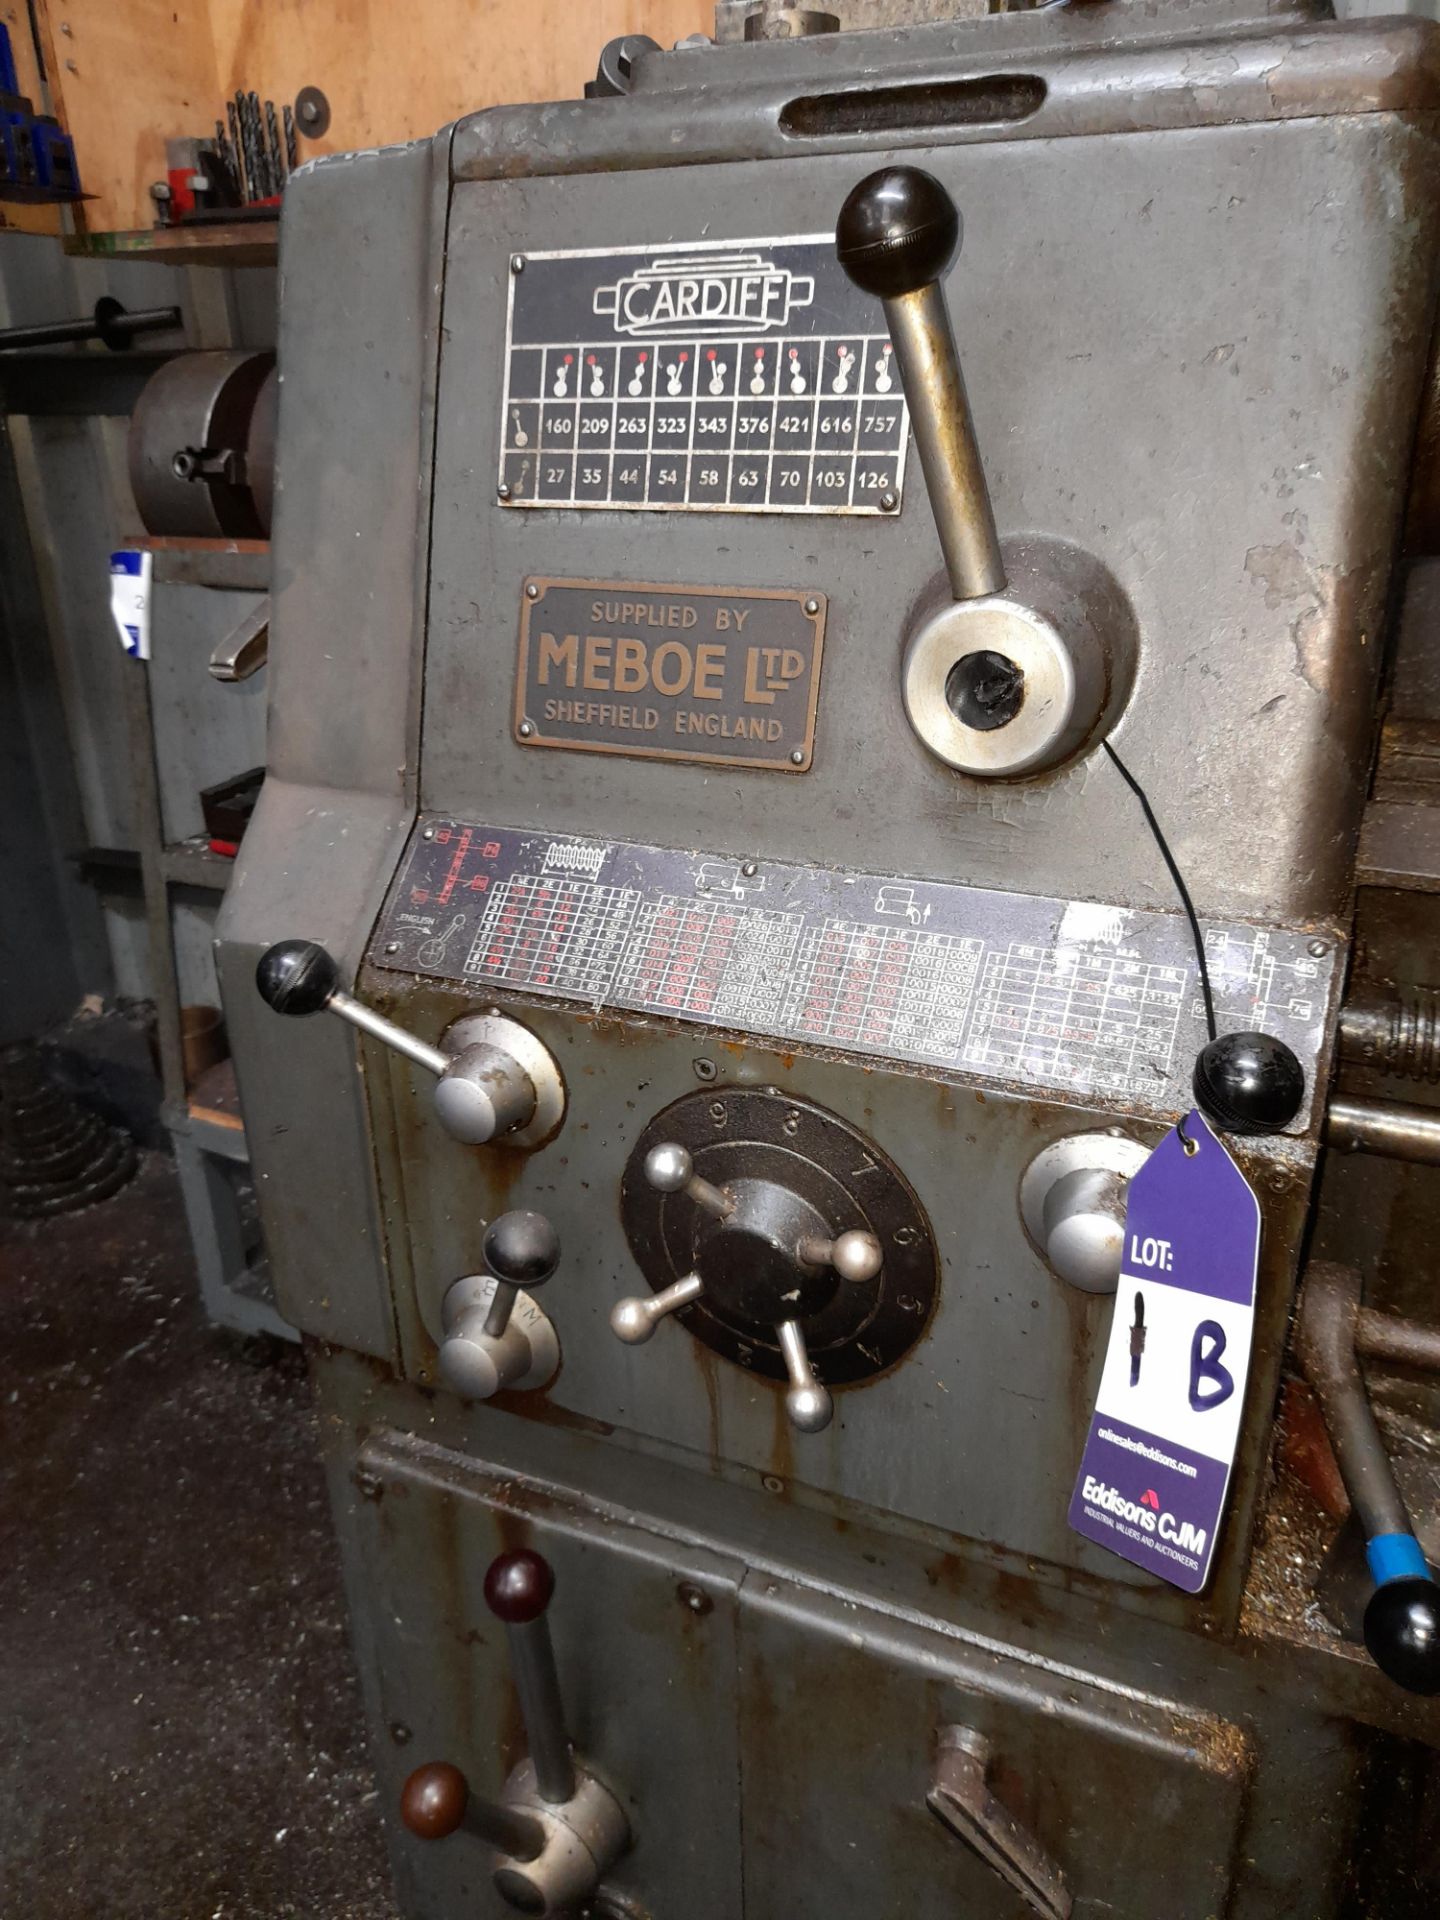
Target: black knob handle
pixel 1402 1633
pixel 521 1248
pixel 898 231
pixel 518 1586
pixel 296 976
pixel 1249 1083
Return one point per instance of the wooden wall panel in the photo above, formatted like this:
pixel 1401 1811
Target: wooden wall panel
pixel 15 218
pixel 127 73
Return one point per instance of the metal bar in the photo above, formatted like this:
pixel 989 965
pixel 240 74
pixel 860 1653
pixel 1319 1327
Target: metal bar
pixel 1325 1342
pixel 945 435
pixel 519 1835
pixel 1383 1336
pixel 368 1021
pixel 502 1305
pixel 1387 1127
pixel 537 1686
pixel 59 333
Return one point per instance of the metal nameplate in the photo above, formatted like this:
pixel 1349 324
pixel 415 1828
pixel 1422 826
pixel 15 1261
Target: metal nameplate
pixel 728 676
pixel 737 376
pixel 1070 996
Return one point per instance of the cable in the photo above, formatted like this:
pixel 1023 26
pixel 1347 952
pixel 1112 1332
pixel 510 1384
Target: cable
pixel 1179 879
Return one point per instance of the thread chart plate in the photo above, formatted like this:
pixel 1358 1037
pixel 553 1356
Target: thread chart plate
pixel 745 376
pixel 1070 996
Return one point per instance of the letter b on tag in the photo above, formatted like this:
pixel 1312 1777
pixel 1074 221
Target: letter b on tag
pixel 1211 1383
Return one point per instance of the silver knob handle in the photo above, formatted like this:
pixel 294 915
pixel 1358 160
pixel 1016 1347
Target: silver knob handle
pixel 808 1405
pixel 633 1320
pixel 498 1081
pixel 669 1169
pixel 855 1256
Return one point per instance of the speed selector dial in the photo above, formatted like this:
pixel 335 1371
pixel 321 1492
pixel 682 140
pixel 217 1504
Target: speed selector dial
pixel 494 1079
pixel 782 1238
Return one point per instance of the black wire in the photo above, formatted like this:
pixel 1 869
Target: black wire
pixel 1179 879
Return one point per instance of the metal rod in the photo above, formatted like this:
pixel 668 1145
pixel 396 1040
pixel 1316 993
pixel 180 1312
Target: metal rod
pixel 520 1835
pixel 361 1016
pixel 55 333
pixel 502 1305
pixel 1384 1336
pixel 537 1687
pixel 1388 1127
pixel 1326 1345
pixel 945 435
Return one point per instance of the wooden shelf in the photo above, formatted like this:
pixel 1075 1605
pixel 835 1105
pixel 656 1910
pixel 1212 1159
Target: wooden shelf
pixel 242 243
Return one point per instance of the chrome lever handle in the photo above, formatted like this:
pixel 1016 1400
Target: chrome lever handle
pixel 960 1797
pixel 518 1591
pixel 500 1082
pixel 897 237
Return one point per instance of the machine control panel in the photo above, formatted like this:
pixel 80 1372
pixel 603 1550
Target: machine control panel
pixel 740 376
pixel 1077 997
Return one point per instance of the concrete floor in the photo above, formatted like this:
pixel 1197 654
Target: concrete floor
pixel 180 1731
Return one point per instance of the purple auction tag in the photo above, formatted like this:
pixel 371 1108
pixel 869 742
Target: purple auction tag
pixel 1157 1461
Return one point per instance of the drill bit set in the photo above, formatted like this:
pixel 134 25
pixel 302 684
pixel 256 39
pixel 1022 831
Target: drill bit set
pixel 240 172
pixel 252 148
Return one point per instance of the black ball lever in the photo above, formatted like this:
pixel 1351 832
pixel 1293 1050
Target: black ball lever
pixel 296 977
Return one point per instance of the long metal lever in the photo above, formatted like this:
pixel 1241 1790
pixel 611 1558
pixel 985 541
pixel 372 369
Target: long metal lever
pixel 897 236
pixel 960 1796
pixel 1402 1618
pixel 518 1589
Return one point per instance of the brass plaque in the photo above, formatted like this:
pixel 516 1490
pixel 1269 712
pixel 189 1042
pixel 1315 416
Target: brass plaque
pixel 725 675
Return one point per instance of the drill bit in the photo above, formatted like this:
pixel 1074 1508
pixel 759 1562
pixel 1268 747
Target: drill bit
pixel 292 144
pixel 277 155
pixel 247 146
pixel 262 160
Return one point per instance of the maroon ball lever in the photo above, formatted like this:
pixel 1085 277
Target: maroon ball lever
pixel 519 1586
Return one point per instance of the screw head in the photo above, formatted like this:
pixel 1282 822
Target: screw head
pixel 392 946
pixel 502 492
pixel 704 1069
pixel 525 729
pixel 889 502
pixel 1318 949
pixel 812 605
pixel 517 263
pixel 749 870
pixel 797 758
pixel 532 592
pixel 428 834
